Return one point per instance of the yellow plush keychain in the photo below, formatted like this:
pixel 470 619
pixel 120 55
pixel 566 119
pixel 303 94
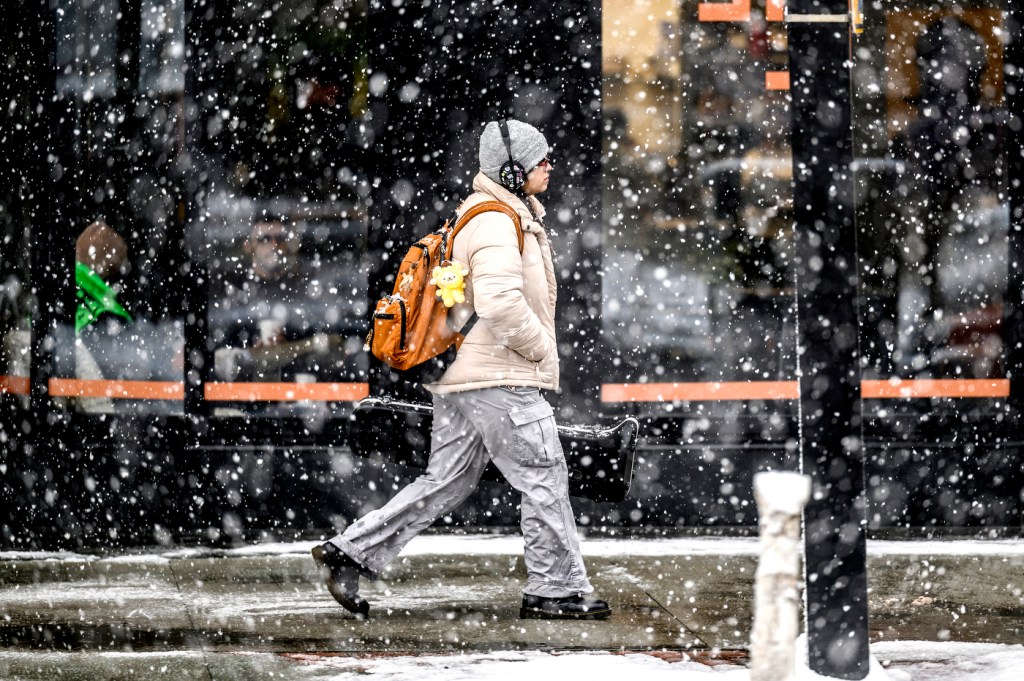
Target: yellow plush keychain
pixel 450 280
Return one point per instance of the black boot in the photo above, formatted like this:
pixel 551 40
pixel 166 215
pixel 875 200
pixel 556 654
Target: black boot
pixel 563 608
pixel 342 575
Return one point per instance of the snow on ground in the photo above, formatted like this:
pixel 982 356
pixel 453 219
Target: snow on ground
pixel 516 666
pixel 903 661
pixel 944 661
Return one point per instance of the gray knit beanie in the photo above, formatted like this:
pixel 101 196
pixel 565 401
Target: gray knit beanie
pixel 528 147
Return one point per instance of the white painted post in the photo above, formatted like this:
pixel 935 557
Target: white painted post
pixel 780 497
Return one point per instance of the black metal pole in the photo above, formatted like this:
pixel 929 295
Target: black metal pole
pixel 826 266
pixel 200 96
pixel 205 23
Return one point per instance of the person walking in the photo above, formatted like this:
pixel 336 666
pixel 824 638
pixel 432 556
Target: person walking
pixel 487 405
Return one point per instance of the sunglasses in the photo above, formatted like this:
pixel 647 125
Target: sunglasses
pixel 546 161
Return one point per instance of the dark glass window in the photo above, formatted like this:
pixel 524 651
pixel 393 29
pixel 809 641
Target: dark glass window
pixel 697 200
pixel 932 205
pixel 283 230
pixel 697 204
pixel 120 145
pixel 15 299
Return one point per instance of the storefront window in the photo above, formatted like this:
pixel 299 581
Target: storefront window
pixel 86 47
pixel 120 147
pixel 21 126
pixel 932 206
pixel 697 202
pixel 284 225
pixel 162 47
pixel 698 289
pixel 15 315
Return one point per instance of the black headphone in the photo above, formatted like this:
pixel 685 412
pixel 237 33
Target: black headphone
pixel 512 173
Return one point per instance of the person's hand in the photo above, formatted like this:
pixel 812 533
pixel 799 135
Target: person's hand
pixel 232 364
pixel 271 334
pixel 269 341
pixel 327 344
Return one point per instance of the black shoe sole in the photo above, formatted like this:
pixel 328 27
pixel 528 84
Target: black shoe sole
pixel 352 602
pixel 538 614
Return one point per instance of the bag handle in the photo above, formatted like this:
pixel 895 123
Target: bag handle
pixel 478 209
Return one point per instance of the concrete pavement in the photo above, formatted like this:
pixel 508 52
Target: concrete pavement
pixel 258 610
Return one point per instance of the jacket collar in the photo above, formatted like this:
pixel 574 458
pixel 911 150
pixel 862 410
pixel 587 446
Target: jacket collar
pixel 482 183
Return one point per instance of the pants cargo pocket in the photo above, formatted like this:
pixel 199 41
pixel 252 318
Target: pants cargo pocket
pixel 534 439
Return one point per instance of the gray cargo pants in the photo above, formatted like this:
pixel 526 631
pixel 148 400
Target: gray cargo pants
pixel 515 428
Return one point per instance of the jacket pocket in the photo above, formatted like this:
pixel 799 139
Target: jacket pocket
pixel 535 438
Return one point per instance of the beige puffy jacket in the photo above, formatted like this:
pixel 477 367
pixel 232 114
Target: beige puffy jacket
pixel 513 342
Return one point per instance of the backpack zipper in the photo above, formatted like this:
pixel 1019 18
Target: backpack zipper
pixel 401 338
pixel 386 315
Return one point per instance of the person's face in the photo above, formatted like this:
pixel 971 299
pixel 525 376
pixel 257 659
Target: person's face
pixel 270 248
pixel 538 178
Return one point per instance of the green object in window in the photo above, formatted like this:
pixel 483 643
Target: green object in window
pixel 94 298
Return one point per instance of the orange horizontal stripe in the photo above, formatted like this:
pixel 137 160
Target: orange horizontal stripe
pixel 171 390
pixel 286 392
pixel 131 390
pixel 704 391
pixel 737 10
pixel 927 387
pixel 894 388
pixel 14 385
pixel 776 80
pixel 775 10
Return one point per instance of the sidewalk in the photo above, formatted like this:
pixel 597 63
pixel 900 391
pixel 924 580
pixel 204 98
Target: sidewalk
pixel 262 609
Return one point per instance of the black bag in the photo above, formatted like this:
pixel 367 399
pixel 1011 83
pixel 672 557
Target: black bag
pixel 600 460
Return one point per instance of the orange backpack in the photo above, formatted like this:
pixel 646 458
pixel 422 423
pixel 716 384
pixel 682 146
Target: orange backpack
pixel 410 332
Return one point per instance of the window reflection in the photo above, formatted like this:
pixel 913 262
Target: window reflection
pixel 120 148
pixel 117 352
pixel 162 49
pixel 285 228
pixel 86 47
pixel 292 90
pixel 15 320
pixel 942 201
pixel 15 217
pixel 697 194
pixel 696 198
pixel 287 299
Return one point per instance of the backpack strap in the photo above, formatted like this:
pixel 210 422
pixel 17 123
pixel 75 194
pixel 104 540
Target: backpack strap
pixel 478 209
